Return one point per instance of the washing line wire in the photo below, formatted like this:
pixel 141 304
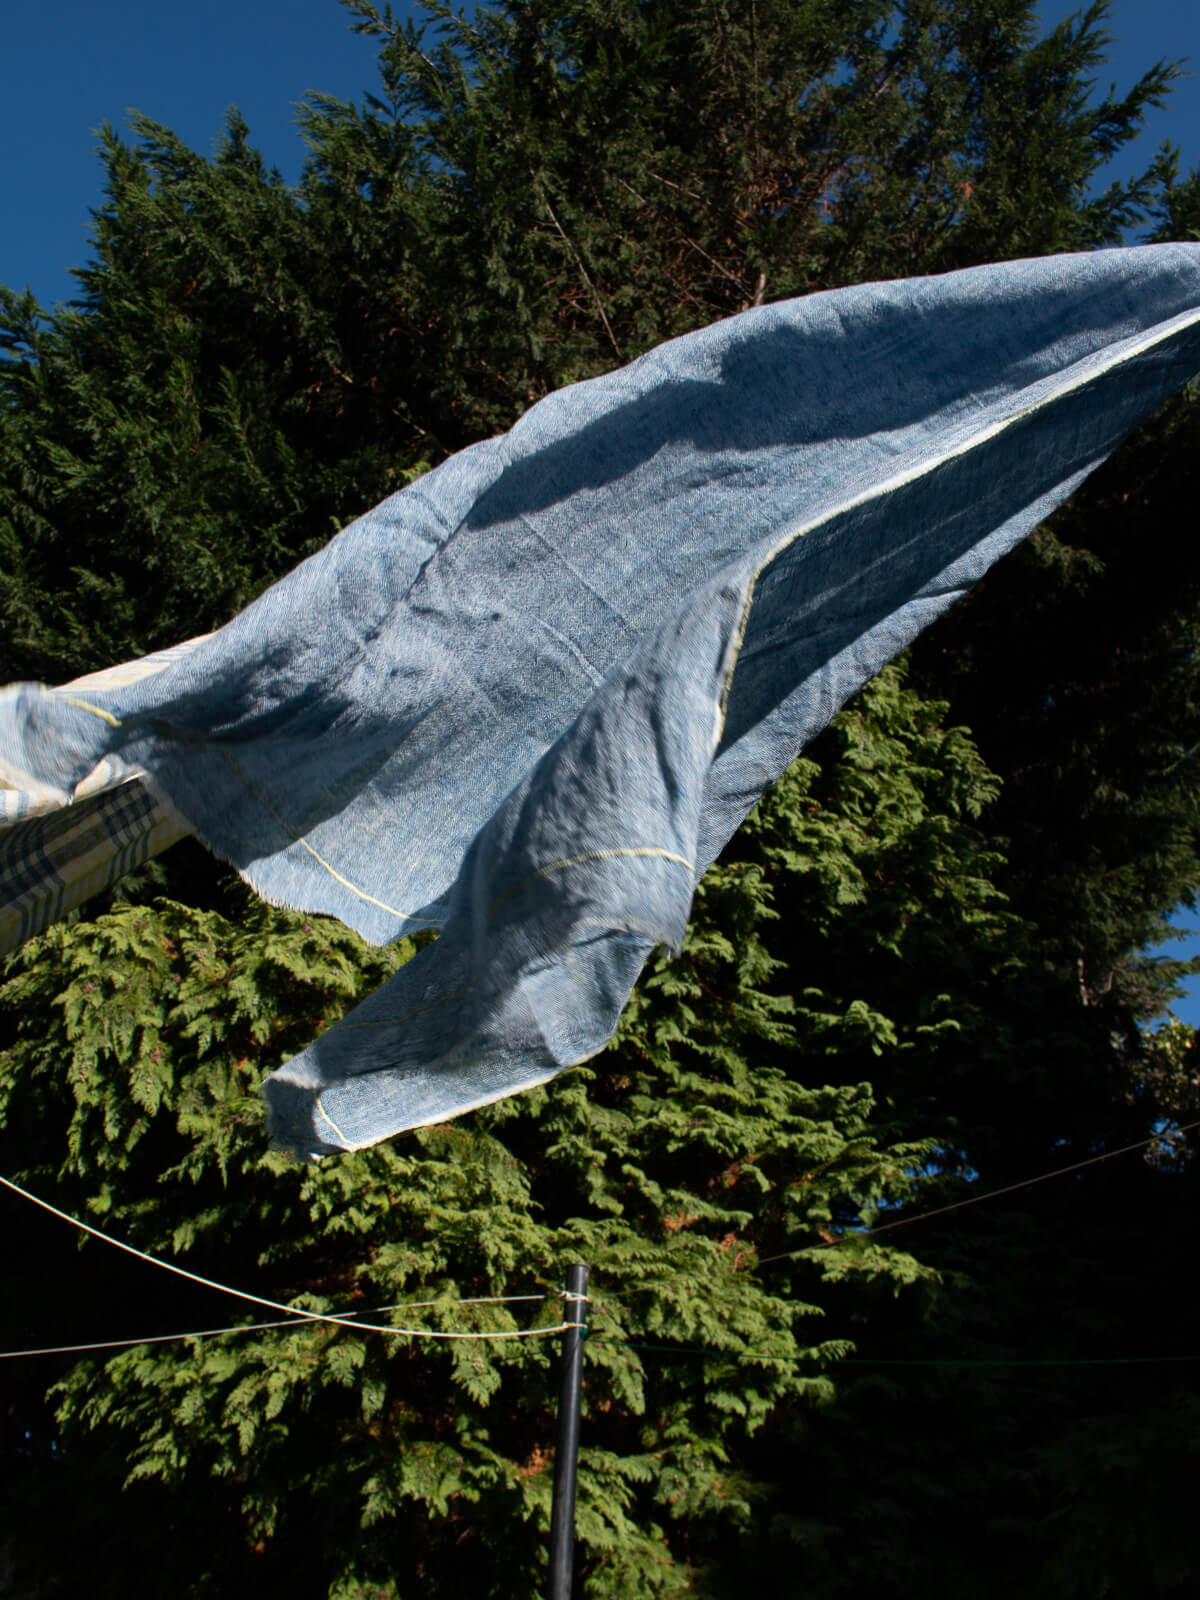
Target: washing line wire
pixel 294 1314
pixel 252 1327
pixel 992 1194
pixel 921 1216
pixel 900 1361
pixel 261 1300
pixel 158 1338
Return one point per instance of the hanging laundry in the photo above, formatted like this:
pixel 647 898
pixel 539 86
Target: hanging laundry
pixel 527 700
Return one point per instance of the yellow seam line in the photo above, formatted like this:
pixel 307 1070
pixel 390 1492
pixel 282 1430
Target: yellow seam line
pixel 592 855
pixel 395 1022
pixel 288 829
pixel 349 1143
pixel 261 798
pixel 455 994
pixel 85 705
pixel 902 479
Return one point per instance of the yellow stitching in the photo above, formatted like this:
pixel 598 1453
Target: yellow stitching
pixel 85 705
pixel 901 480
pixel 395 1022
pixel 591 855
pixel 287 828
pixel 317 1102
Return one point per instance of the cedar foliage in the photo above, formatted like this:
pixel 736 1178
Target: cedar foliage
pixel 917 972
pixel 688 1145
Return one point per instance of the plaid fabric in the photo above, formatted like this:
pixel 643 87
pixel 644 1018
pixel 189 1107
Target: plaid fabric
pixel 52 862
pixel 58 850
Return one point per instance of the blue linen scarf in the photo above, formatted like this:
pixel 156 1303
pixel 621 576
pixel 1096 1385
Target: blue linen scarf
pixel 528 699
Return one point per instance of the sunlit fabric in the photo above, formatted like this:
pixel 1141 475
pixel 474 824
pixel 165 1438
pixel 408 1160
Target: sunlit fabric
pixel 528 699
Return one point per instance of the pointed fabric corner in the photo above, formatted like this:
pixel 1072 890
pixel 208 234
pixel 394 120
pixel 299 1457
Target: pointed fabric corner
pixel 528 699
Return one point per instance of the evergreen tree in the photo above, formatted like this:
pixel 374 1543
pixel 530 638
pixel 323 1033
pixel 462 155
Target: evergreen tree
pixel 915 974
pixel 667 1164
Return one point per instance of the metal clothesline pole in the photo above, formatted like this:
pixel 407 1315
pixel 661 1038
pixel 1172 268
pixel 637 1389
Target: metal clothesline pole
pixel 566 1455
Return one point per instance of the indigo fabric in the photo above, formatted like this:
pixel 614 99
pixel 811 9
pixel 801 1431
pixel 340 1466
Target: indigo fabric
pixel 528 699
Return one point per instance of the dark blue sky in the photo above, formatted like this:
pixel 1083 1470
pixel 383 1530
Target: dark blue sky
pixel 185 65
pixel 78 64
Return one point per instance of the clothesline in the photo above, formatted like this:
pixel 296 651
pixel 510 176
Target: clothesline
pixel 261 1300
pixel 296 1317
